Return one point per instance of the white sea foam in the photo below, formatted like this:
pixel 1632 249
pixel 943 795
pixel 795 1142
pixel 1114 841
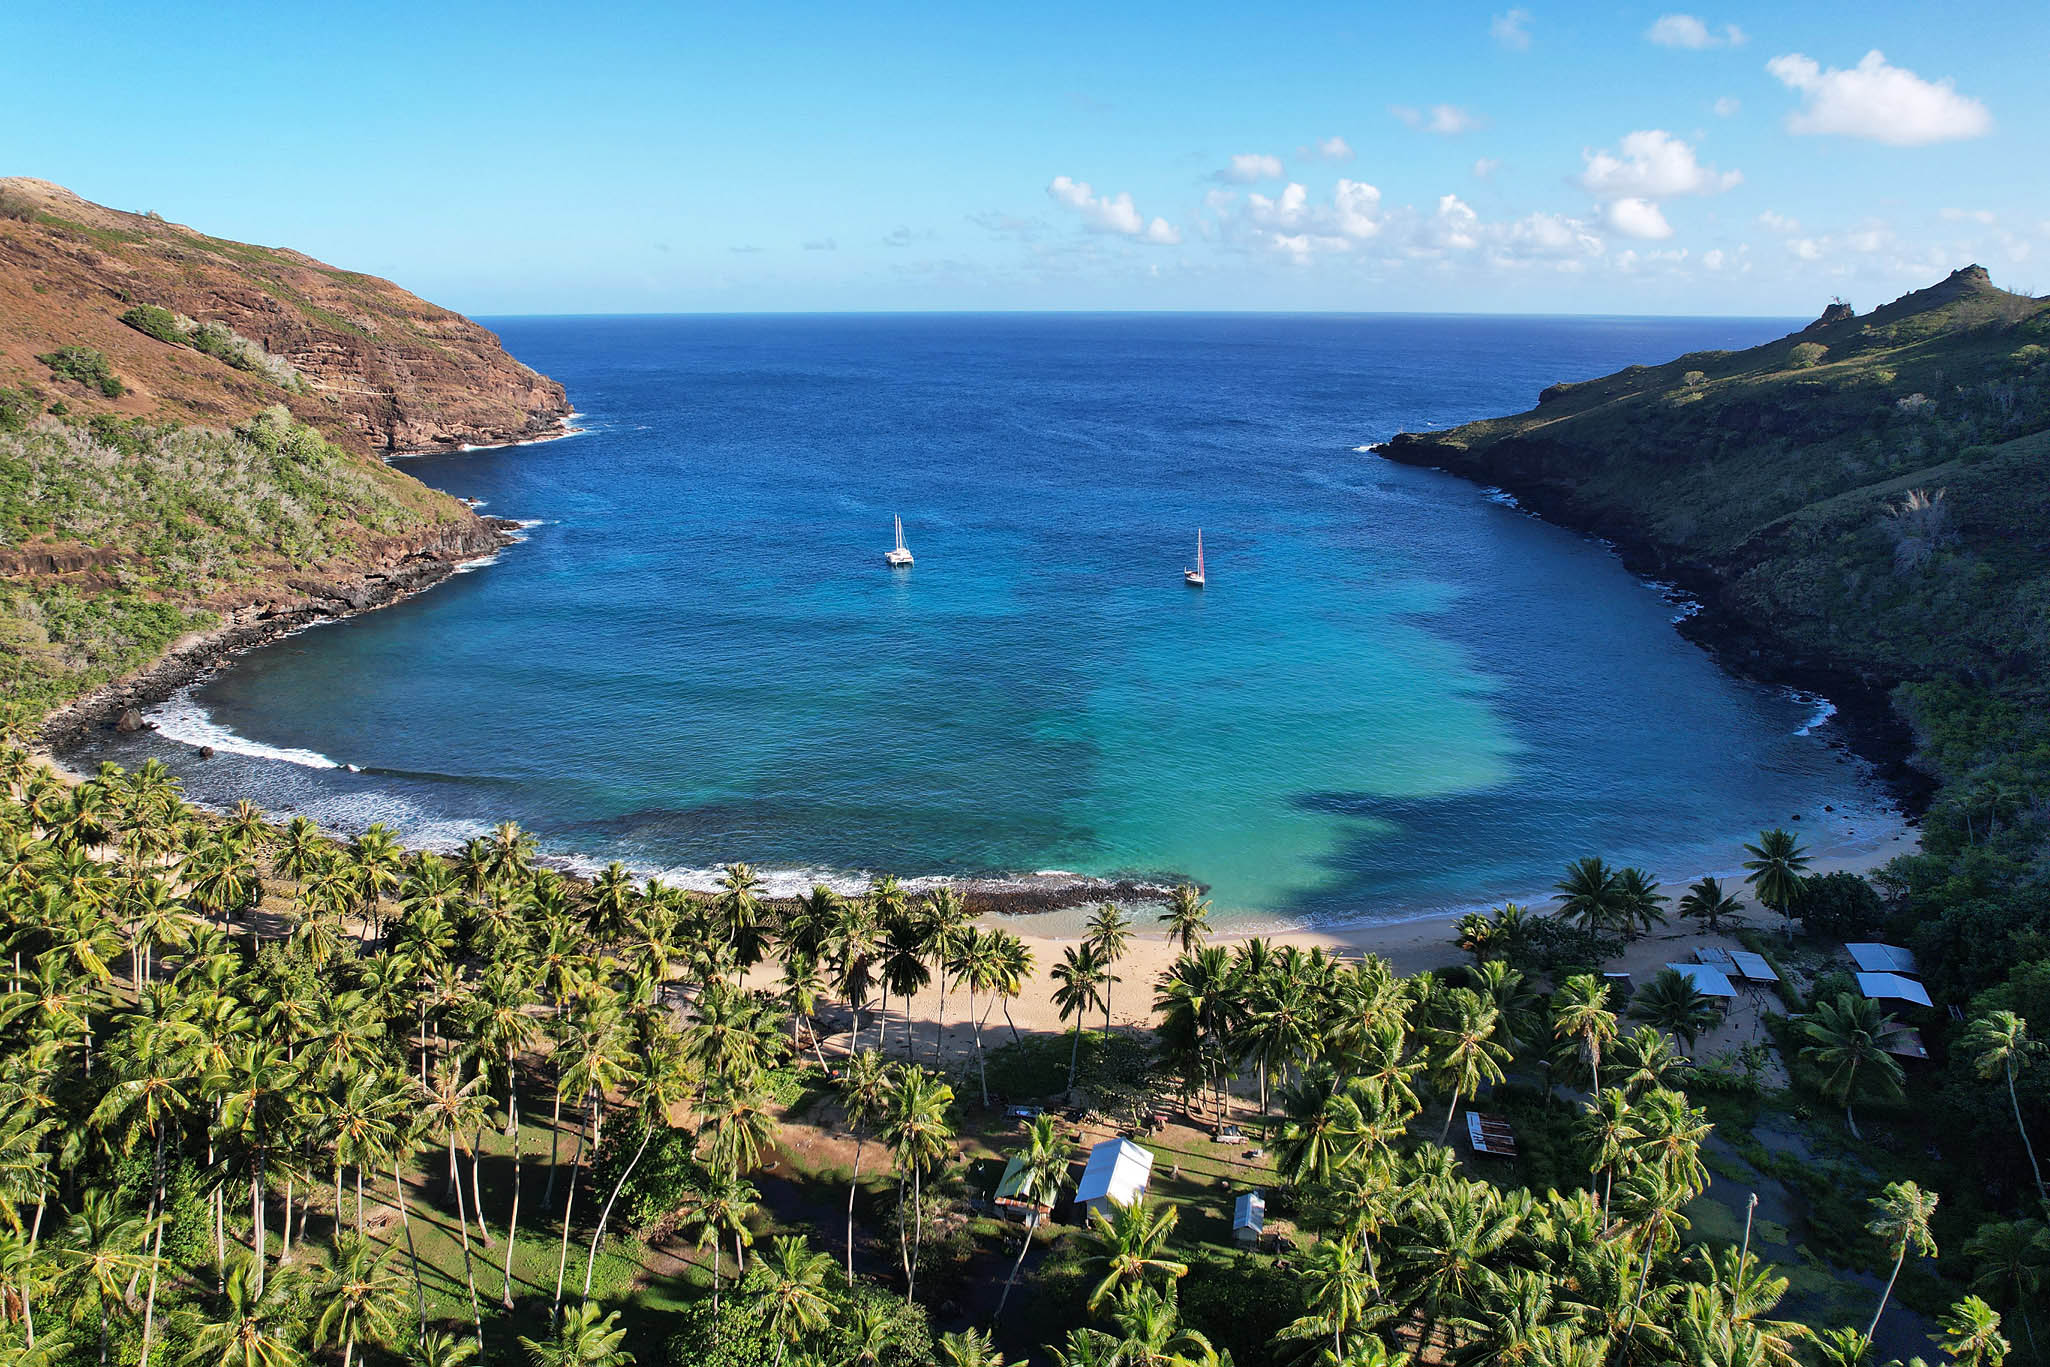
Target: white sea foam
pixel 1683 603
pixel 1502 497
pixel 1821 709
pixel 180 717
pixel 1363 450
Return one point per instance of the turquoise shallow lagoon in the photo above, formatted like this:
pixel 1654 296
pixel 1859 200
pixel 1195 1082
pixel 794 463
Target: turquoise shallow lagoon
pixel 1397 694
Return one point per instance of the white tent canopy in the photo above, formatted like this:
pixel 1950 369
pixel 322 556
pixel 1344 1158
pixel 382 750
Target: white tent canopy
pixel 1893 987
pixel 1117 1174
pixel 1878 958
pixel 1707 980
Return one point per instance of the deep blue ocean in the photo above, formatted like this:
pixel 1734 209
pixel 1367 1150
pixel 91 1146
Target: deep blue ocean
pixel 1396 694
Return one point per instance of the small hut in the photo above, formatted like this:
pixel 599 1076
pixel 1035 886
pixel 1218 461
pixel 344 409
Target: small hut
pixel 1011 1198
pixel 1249 1218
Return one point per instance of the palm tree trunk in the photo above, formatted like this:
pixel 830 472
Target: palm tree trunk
pixel 569 1206
pixel 405 1220
pixel 647 1133
pixel 981 1062
pixel 469 1272
pixel 554 1153
pixel 715 1277
pixel 854 1185
pixel 2027 1147
pixel 156 1254
pixel 476 1188
pixel 1900 1258
pixel 1012 1280
pixel 512 1223
pixel 1851 1121
pixel 1075 1051
pixel 1450 1111
pixel 1008 1021
pixel 285 1251
pixel 917 1229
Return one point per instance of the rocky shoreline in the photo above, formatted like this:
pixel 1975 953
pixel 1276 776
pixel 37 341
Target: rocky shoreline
pixel 1870 727
pixel 398 569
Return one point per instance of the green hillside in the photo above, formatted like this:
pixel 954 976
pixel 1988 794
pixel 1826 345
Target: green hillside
pixel 1864 504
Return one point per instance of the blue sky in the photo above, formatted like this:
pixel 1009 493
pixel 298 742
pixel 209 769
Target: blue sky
pixel 1750 159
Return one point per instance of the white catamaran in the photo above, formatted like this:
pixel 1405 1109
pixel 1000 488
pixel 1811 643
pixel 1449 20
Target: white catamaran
pixel 899 558
pixel 1194 578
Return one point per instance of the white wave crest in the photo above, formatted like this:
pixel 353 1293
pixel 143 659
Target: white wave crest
pixel 1821 709
pixel 180 717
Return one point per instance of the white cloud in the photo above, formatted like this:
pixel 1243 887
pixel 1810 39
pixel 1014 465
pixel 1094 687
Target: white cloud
pixel 1301 247
pixel 1684 30
pixel 1713 258
pixel 1485 167
pixel 1250 168
pixel 1456 224
pixel 1873 237
pixel 1726 106
pixel 1111 213
pixel 821 244
pixel 1778 222
pixel 1882 103
pixel 1448 120
pixel 1220 201
pixel 1512 30
pixel 1653 163
pixel 1967 215
pixel 1806 248
pixel 1357 206
pixel 1287 212
pixel 1334 149
pixel 1640 218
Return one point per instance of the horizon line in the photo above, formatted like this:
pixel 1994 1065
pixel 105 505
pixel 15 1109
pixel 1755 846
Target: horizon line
pixel 1142 313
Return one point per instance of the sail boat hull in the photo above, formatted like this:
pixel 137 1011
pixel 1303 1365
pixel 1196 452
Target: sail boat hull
pixel 1194 578
pixel 898 558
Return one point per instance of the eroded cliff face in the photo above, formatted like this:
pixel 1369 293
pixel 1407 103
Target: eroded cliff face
pixel 383 371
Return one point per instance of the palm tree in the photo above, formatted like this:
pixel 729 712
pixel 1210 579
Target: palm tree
pixel 717 1209
pixel 443 1350
pixel 906 944
pixel 1338 1289
pixel 918 1131
pixel 583 1339
pixel 2010 1259
pixel 2001 1046
pixel 1707 903
pixel 664 1081
pixel 1129 1248
pixel 1078 980
pixel 250 1328
pixel 969 1348
pixel 1647 1059
pixel 361 1298
pixel 794 1292
pixel 1777 864
pixel 946 922
pixel 1589 896
pixel 1581 1016
pixel 1971 1334
pixel 1464 1049
pixel 1672 1002
pixel 102 1250
pixel 1848 1037
pixel 1900 1216
pixel 1109 932
pixel 1187 917
pixel 1637 902
pixel 865 1087
pixel 1042 1172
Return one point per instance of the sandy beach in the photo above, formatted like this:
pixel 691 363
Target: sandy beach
pixel 1411 946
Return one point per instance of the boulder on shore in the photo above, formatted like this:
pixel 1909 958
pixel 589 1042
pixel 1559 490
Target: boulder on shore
pixel 129 722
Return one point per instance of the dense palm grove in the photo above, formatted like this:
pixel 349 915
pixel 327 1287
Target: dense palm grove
pixel 256 1086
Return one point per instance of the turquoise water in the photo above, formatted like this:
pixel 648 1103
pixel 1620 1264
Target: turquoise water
pixel 1396 693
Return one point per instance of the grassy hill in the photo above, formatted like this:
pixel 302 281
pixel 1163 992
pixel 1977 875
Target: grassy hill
pixel 191 432
pixel 153 319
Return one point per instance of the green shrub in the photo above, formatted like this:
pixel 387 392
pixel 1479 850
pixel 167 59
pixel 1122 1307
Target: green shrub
pixel 156 322
pixel 1694 379
pixel 1805 354
pixel 83 365
pixel 17 410
pixel 1840 905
